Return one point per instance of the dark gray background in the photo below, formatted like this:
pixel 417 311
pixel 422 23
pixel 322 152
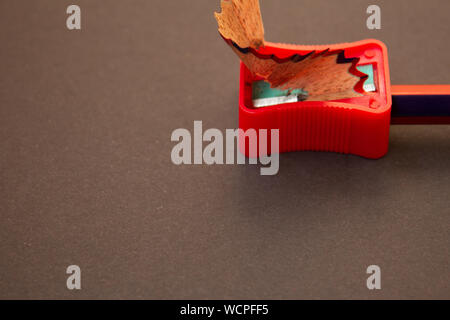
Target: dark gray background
pixel 86 177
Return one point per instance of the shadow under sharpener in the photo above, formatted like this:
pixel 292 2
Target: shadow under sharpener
pixel 358 126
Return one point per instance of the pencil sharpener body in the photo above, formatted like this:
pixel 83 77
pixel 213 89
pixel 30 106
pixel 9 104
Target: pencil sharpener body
pixel 358 125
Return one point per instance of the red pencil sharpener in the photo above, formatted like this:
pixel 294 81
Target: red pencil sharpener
pixel 357 126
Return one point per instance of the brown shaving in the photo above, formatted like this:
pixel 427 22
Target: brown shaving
pixel 318 74
pixel 240 20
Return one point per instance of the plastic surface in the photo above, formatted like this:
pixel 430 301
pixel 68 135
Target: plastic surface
pixel 357 126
